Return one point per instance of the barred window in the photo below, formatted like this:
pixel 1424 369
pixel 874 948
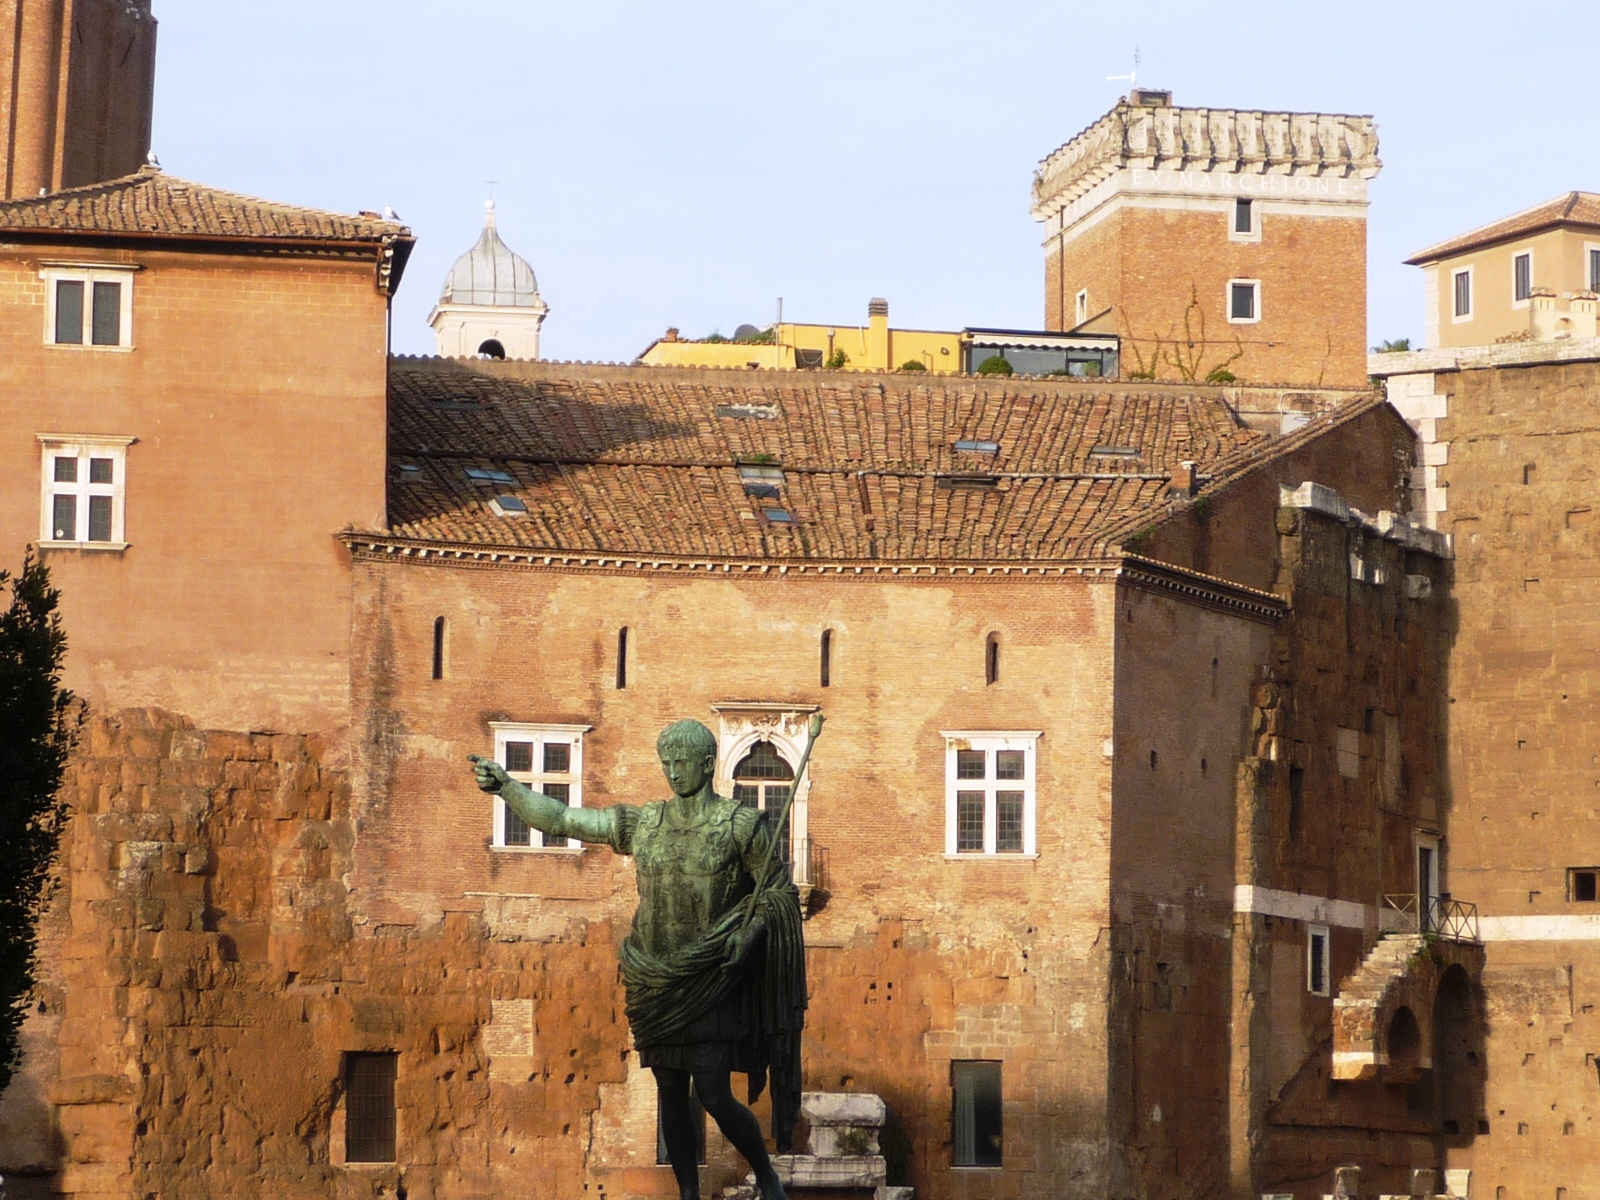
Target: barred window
pixel 548 759
pixel 369 1122
pixel 990 794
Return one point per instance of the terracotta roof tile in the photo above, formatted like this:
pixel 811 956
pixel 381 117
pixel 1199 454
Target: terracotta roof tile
pixel 635 461
pixel 1574 208
pixel 151 203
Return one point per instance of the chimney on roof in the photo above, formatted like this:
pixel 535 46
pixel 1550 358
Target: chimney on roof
pixel 1186 480
pixel 671 335
pixel 878 334
pixel 1150 98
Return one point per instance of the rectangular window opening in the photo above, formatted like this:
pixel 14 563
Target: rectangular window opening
pixel 546 759
pixel 369 1126
pixel 82 492
pixel 971 446
pixel 622 658
pixel 1522 272
pixel 990 797
pixel 1463 293
pixel 1243 216
pixel 106 328
pixel 827 658
pixel 976 1134
pixel 1297 801
pixel 438 648
pixel 1594 270
pixel 69 312
pixel 1583 884
pixel 1242 305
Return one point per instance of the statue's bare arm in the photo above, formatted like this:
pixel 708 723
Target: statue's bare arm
pixel 540 811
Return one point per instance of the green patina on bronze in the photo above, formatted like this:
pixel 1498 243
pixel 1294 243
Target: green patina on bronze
pixel 714 966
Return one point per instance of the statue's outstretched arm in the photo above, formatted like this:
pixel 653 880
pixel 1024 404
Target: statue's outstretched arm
pixel 542 812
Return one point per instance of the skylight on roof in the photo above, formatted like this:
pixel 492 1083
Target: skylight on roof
pixel 760 473
pixel 1113 452
pixel 778 516
pixel 968 482
pixel 978 447
pixel 489 475
pixel 411 468
pixel 764 491
pixel 762 412
pixel 508 506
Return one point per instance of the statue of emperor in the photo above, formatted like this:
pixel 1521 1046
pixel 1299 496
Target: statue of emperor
pixel 714 966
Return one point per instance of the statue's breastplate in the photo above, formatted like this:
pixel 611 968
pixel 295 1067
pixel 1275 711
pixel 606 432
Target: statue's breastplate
pixel 689 875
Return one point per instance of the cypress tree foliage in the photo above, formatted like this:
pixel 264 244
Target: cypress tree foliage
pixel 38 726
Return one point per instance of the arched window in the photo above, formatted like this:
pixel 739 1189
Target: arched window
pixel 438 647
pixel 491 349
pixel 991 659
pixel 827 657
pixel 764 780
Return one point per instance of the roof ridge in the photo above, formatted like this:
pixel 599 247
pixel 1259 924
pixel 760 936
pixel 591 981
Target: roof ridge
pixel 1561 208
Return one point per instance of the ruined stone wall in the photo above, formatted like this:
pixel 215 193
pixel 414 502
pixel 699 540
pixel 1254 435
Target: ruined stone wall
pixel 1519 472
pixel 915 960
pixel 1344 765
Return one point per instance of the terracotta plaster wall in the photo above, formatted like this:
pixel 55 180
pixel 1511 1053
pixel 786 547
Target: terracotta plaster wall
pixel 1524 745
pixel 255 392
pixel 1313 273
pixel 1184 676
pixel 915 960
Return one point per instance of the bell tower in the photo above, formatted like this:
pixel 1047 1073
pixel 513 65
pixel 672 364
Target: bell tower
pixel 77 84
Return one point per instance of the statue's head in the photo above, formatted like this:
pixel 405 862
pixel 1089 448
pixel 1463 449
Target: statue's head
pixel 688 753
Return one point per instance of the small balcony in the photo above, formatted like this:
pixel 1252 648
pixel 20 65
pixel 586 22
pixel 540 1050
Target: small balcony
pixel 1441 916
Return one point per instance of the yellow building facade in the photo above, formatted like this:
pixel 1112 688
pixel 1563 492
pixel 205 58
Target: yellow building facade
pixel 1530 277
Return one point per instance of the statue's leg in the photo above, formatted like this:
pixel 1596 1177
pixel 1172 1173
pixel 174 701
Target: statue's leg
pixel 677 1129
pixel 739 1126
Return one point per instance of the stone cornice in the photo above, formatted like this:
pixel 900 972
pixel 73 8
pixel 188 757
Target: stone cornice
pixel 1207 591
pixel 1204 139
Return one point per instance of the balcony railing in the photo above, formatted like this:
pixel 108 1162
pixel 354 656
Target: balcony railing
pixel 1442 916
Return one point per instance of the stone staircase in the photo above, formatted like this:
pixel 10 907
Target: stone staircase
pixel 1364 1008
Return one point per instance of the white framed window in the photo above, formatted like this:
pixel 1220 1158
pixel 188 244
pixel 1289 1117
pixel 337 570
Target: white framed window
pixel 549 759
pixel 88 307
pixel 1521 278
pixel 1080 308
pixel 1244 221
pixel 1317 960
pixel 1461 294
pixel 1244 301
pixel 990 795
pixel 82 488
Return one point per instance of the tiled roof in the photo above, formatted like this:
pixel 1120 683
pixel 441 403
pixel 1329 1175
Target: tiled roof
pixel 151 203
pixel 1574 208
pixel 640 460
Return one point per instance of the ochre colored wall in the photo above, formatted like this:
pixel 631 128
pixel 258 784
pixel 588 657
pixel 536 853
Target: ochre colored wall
pixel 256 391
pixel 1313 299
pixel 1560 262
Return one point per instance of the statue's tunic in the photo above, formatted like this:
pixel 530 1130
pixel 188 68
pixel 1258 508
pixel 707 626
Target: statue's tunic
pixel 691 875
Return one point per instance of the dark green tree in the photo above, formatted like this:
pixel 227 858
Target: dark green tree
pixel 995 364
pixel 38 726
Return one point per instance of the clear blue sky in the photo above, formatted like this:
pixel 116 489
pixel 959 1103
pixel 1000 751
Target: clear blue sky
pixel 688 163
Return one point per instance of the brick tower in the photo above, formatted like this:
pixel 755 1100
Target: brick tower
pixel 77 81
pixel 1215 242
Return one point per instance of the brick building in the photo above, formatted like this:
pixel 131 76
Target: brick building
pixel 1213 240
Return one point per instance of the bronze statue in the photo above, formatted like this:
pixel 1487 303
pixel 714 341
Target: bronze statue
pixel 714 967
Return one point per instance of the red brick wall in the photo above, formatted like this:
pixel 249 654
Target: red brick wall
pixel 1313 275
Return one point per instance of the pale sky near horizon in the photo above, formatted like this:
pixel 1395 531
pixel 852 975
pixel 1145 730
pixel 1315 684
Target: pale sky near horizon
pixel 688 163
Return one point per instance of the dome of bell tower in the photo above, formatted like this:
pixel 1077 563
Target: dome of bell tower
pixel 490 304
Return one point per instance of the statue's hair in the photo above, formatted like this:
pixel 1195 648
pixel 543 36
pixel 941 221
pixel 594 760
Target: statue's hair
pixel 687 736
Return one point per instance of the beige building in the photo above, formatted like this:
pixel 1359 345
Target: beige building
pixel 1218 243
pixel 490 305
pixel 1532 276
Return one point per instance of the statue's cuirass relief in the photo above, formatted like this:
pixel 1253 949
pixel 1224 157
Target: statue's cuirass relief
pixel 689 875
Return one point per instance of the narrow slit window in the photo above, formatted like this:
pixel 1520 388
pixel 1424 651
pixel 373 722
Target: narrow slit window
pixel 976 1134
pixel 991 659
pixel 1317 960
pixel 622 658
pixel 438 647
pixel 369 1127
pixel 827 658
pixel 1463 293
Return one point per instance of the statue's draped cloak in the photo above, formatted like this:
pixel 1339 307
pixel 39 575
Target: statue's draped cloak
pixel 698 882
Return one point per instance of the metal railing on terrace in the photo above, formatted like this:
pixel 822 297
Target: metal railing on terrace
pixel 1442 916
